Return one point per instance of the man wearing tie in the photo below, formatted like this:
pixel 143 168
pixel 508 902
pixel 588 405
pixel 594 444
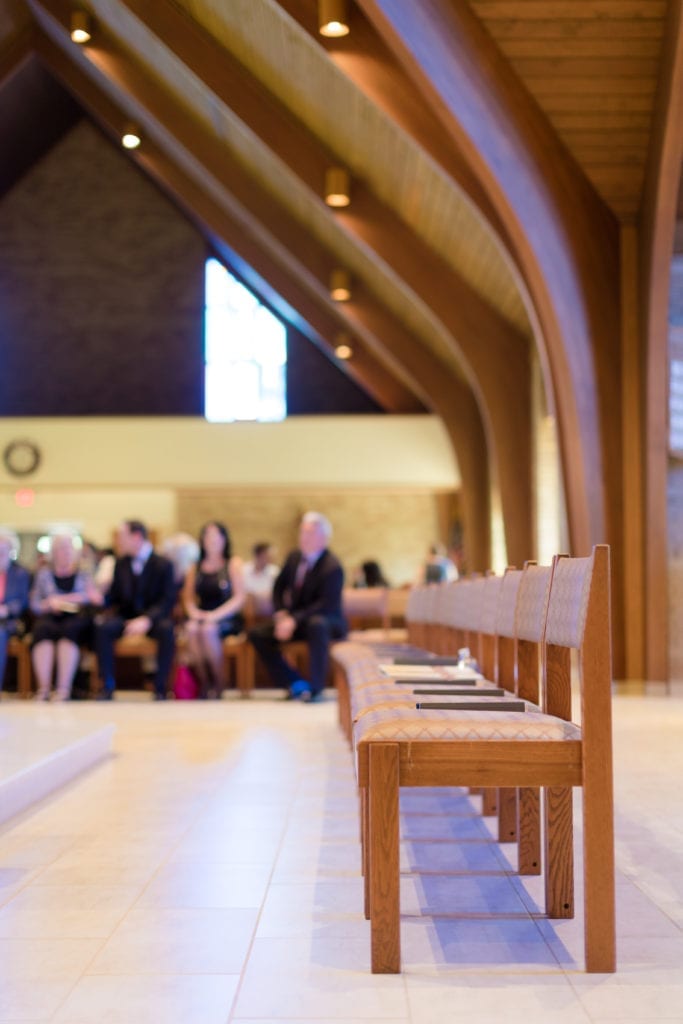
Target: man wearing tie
pixel 307 598
pixel 140 602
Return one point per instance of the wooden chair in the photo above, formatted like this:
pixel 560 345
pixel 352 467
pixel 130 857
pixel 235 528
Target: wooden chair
pixel 239 654
pixel 530 617
pixel 505 749
pixel 19 649
pixel 520 622
pixel 125 647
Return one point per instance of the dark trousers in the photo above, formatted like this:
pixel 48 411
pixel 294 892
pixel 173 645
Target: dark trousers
pixel 110 629
pixel 8 628
pixel 317 632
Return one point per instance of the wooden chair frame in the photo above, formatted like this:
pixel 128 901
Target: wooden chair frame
pixel 579 595
pixel 19 649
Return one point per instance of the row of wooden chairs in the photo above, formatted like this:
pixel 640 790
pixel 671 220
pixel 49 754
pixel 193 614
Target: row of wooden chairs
pixel 523 627
pixel 364 607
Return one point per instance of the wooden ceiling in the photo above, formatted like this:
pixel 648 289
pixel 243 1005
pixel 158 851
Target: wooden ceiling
pixel 592 67
pixel 249 105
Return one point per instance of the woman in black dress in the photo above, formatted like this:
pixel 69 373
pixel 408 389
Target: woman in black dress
pixel 213 597
pixel 59 598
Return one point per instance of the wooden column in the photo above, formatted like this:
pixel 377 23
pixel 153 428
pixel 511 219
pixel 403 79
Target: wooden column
pixel 633 579
pixel 658 220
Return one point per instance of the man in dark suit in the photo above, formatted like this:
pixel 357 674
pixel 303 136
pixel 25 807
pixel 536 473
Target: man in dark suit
pixel 307 599
pixel 15 582
pixel 140 602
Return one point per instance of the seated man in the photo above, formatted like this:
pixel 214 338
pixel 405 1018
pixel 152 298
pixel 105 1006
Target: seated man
pixel 139 602
pixel 15 582
pixel 307 598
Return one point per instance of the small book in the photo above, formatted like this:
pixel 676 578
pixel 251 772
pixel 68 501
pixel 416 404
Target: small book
pixel 471 705
pixel 462 691
pixel 435 681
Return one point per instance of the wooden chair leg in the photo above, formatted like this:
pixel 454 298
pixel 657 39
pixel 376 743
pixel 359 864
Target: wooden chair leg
pixel 383 842
pixel 529 831
pixel 365 867
pixel 245 670
pixel 24 672
pixel 598 871
pixel 507 815
pixel 559 852
pixel 489 802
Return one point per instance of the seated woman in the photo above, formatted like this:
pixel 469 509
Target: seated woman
pixel 213 597
pixel 59 598
pixel 370 575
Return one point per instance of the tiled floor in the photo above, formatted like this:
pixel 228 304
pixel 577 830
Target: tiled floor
pixel 209 873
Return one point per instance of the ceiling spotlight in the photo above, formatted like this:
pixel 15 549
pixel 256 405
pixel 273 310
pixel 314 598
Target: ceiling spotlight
pixel 131 138
pixel 342 348
pixel 80 27
pixel 340 285
pixel 333 20
pixel 337 187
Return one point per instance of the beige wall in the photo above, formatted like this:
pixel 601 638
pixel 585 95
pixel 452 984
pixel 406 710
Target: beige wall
pixel 381 479
pixel 390 526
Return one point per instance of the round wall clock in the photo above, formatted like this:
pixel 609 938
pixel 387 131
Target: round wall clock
pixel 21 458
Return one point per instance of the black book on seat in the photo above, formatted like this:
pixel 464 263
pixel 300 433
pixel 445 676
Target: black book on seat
pixel 462 691
pixel 431 681
pixel 471 705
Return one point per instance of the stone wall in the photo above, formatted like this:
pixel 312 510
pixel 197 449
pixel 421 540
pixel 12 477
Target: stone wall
pixel 393 527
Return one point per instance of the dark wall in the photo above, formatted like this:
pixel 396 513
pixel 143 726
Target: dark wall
pixel 35 112
pixel 102 297
pixel 316 386
pixel 101 289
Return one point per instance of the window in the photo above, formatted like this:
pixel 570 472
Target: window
pixel 676 405
pixel 245 353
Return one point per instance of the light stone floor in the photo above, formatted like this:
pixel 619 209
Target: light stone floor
pixel 209 873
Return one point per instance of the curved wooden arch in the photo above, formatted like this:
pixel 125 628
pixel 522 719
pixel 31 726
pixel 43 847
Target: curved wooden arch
pixel 562 237
pixel 257 218
pixel 480 337
pixel 658 228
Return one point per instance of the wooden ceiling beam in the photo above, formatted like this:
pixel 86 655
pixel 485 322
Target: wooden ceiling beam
pixel 562 236
pixel 312 261
pixel 482 338
pixel 660 235
pixel 268 276
pixel 449 397
pixel 366 60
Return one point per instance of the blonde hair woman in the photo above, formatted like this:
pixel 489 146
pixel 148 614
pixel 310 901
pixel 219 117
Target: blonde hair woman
pixel 59 598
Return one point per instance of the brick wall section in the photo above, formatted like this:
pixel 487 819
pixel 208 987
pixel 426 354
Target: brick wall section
pixel 393 527
pixel 102 297
pixel 101 289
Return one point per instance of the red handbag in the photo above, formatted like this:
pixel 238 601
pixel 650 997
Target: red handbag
pixel 185 685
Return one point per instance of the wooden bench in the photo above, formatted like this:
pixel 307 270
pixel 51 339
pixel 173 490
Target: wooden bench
pixel 537 748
